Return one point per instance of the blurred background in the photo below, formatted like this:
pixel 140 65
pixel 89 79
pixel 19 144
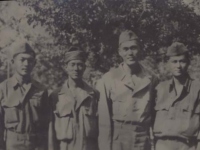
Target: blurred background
pixel 52 26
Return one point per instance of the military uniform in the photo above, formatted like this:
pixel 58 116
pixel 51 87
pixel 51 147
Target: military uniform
pixel 24 109
pixel 177 109
pixel 74 120
pixel 177 116
pixel 23 115
pixel 124 109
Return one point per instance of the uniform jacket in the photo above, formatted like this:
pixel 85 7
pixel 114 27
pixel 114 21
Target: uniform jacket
pixel 74 121
pixel 121 100
pixel 177 114
pixel 23 113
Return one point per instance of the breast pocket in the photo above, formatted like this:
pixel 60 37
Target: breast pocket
pixel 119 99
pixel 11 116
pixel 189 122
pixel 162 121
pixel 63 124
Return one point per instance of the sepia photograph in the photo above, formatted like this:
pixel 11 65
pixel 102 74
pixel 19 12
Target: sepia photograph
pixel 100 75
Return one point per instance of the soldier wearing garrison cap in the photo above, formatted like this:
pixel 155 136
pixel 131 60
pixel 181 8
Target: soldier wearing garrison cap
pixel 125 103
pixel 74 118
pixel 24 110
pixel 177 106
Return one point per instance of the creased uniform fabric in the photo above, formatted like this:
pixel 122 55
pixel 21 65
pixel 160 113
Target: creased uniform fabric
pixel 24 115
pixel 177 119
pixel 74 120
pixel 125 109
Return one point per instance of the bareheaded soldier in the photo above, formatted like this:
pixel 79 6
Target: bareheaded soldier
pixel 23 104
pixel 177 121
pixel 125 103
pixel 74 118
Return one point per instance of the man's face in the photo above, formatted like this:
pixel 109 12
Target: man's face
pixel 178 65
pixel 75 69
pixel 23 64
pixel 129 51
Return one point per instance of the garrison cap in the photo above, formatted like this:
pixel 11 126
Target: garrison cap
pixel 176 49
pixel 74 53
pixel 20 46
pixel 127 36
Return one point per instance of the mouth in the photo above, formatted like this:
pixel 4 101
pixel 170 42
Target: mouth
pixel 25 69
pixel 131 58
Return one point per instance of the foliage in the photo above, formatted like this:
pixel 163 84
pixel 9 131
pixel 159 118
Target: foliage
pixel 95 25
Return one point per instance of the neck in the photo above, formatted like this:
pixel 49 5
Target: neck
pixel 131 69
pixel 181 79
pixel 22 79
pixel 74 83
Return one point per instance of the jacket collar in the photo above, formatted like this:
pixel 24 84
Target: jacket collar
pixel 13 95
pixel 85 92
pixel 120 74
pixel 186 85
pixel 170 86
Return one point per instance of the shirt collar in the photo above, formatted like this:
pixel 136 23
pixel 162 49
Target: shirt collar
pixel 14 82
pixel 122 71
pixel 186 85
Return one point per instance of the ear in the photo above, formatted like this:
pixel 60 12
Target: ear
pixel 12 61
pixel 119 51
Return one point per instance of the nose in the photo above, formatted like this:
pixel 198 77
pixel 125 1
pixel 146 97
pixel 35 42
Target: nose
pixel 25 63
pixel 130 52
pixel 75 67
pixel 178 64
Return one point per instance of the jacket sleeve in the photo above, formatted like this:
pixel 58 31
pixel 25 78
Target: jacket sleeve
pixel 104 138
pixel 45 118
pixel 52 141
pixel 153 95
pixel 2 141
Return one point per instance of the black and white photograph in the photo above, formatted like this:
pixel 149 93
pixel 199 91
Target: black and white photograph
pixel 100 75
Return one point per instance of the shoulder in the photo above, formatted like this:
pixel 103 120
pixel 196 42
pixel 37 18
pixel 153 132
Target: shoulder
pixel 195 84
pixel 3 86
pixel 4 83
pixel 163 84
pixel 112 74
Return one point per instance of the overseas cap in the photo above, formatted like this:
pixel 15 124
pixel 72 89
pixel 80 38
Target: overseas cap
pixel 127 36
pixel 176 49
pixel 74 53
pixel 19 47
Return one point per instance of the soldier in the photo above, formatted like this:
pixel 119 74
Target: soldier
pixel 24 107
pixel 74 120
pixel 177 107
pixel 125 103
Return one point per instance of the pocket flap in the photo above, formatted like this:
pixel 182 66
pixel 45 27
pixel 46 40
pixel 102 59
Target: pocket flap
pixel 64 108
pixel 162 106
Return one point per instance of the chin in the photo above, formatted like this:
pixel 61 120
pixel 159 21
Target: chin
pixel 177 75
pixel 76 78
pixel 130 63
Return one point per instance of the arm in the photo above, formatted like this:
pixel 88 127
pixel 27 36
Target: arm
pixel 2 141
pixel 104 139
pixel 45 118
pixel 52 141
pixel 153 92
pixel 198 136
